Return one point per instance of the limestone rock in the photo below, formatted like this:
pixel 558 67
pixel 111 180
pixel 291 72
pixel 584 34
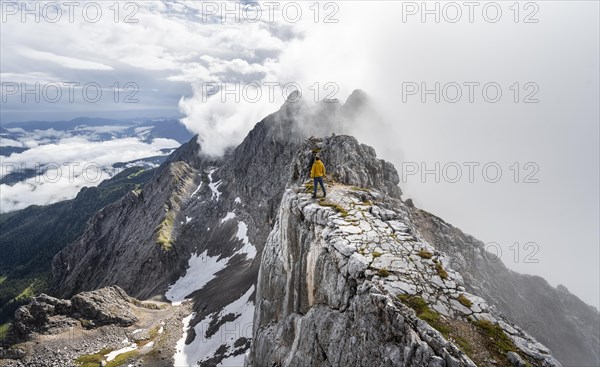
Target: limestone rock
pixel 108 305
pixel 323 302
pixel 49 315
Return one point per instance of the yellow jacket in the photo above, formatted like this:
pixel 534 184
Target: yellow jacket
pixel 318 169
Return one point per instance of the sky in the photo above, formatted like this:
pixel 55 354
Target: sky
pixel 505 95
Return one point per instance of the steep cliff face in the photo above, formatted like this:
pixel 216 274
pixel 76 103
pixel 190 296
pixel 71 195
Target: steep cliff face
pixel 121 245
pixel 348 281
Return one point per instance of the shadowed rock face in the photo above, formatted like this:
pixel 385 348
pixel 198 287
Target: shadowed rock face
pixel 145 243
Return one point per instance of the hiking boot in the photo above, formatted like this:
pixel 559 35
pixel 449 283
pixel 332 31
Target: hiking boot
pixel 314 196
pixel 324 194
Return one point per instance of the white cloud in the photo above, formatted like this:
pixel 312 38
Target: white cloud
pixel 168 48
pixel 74 162
pixel 65 61
pixel 104 153
pixel 220 125
pixel 5 142
pixel 28 78
pixel 40 190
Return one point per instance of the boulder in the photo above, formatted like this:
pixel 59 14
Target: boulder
pixel 108 305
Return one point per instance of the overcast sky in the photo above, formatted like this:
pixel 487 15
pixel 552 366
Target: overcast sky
pixel 544 53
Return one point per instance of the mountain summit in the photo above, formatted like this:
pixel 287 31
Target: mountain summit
pixel 237 265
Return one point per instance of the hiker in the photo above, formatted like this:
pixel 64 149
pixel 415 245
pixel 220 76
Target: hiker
pixel 316 173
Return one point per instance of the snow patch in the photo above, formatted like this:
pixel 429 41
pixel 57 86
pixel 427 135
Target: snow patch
pixel 187 219
pixel 238 200
pixel 197 189
pixel 180 357
pixel 201 270
pixel 203 348
pixel 214 186
pixel 230 215
pixel 242 234
pixel 112 355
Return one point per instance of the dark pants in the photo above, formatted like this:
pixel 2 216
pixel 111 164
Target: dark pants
pixel 318 180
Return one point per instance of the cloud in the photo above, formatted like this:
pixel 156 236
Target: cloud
pixel 54 187
pixel 6 142
pixel 72 162
pixel 309 57
pixel 29 78
pixel 81 149
pixel 167 48
pixel 67 62
pixel 220 124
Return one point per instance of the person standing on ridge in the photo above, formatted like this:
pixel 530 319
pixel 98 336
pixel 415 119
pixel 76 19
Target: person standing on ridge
pixel 317 173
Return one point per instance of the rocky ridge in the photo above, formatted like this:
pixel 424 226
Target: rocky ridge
pixel 333 279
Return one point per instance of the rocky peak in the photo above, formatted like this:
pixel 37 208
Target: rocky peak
pixel 357 101
pixel 349 162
